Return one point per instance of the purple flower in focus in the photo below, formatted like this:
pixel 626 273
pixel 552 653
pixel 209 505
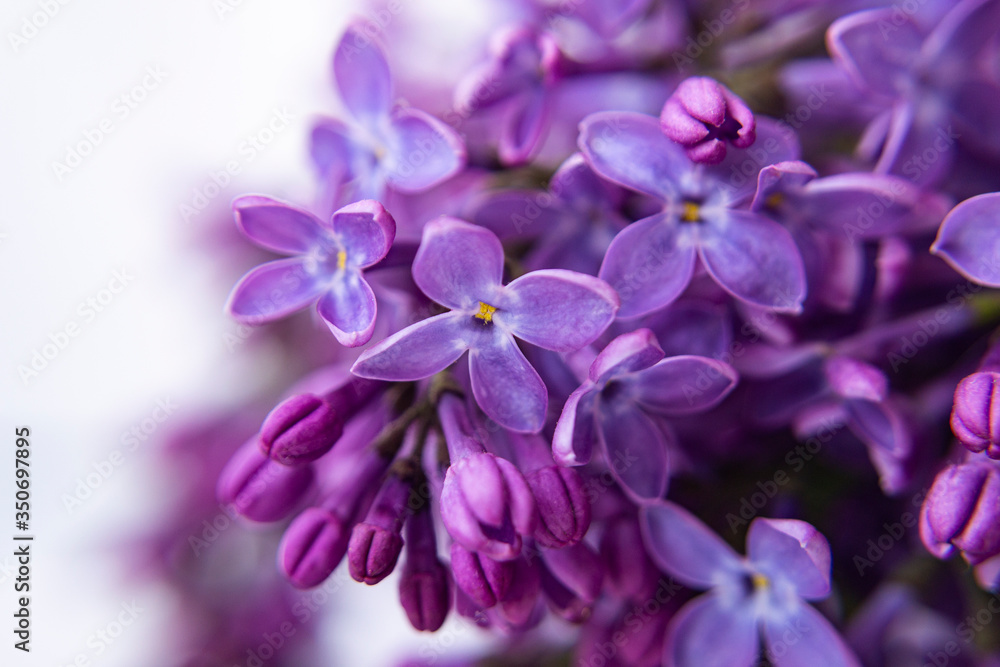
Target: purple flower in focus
pixel 702 115
pixel 620 404
pixel 402 148
pixel 969 239
pixel 328 264
pixel 652 261
pixel 760 595
pixel 975 418
pixel 460 266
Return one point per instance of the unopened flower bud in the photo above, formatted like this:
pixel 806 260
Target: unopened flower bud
pixel 260 489
pixel 485 580
pixel 313 546
pixel 301 429
pixel 962 511
pixel 376 542
pixel 975 418
pixel 563 506
pixel 425 587
pixel 702 115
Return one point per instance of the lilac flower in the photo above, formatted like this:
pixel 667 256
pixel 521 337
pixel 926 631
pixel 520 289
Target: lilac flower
pixel 702 115
pixel 521 72
pixel 930 80
pixel 962 510
pixel 629 387
pixel 460 267
pixel 401 148
pixel 969 239
pixel 328 264
pixel 652 261
pixel 762 594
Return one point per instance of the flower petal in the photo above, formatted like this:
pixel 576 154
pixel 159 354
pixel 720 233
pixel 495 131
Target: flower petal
pixel 777 179
pixel 276 225
pixel 635 449
pixel 709 632
pixel 631 150
pixel 366 231
pixel 349 309
pixel 683 385
pixel 575 434
pixel 792 550
pixel 860 44
pixel 754 259
pixel 524 128
pixel 518 214
pixel 333 151
pixel 418 351
pixel 273 290
pixel 630 352
pixel 505 385
pixel 969 239
pixel 458 264
pixel 362 75
pixel 685 547
pixel 806 639
pixel 424 151
pixel 873 424
pixel 556 309
pixel 649 264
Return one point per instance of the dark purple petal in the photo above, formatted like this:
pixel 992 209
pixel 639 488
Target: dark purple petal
pixel 578 568
pixel 418 351
pixel 683 385
pixel 876 47
pixel 575 434
pixel 362 75
pixel 775 180
pixel 506 387
pixel 628 353
pixel 851 378
pixel 556 309
pixel 366 231
pixel 875 425
pixel 712 632
pixel 805 639
pixel 458 264
pixel 960 35
pixel 685 547
pixel 969 239
pixel 277 226
pixel 524 128
pixel 649 264
pixel 274 290
pixel 349 309
pixel 631 150
pixel 423 151
pixel 791 550
pixel 754 259
pixel 635 448
pixel 736 176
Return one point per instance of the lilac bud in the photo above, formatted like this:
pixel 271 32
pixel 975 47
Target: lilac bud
pixel 962 510
pixel 300 429
pixel 563 506
pixel 578 568
pixel 376 542
pixel 260 489
pixel 313 546
pixel 484 580
pixel 519 602
pixel 702 115
pixel 630 573
pixel 976 416
pixel 425 587
pixel 487 505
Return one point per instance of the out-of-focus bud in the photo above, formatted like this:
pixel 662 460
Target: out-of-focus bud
pixel 630 573
pixel 484 580
pixel 962 511
pixel 425 587
pixel 702 115
pixel 300 429
pixel 975 418
pixel 563 506
pixel 260 489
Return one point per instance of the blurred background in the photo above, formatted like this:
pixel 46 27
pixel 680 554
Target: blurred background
pixel 127 128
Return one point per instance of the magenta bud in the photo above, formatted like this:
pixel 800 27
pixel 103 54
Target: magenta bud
pixel 975 418
pixel 702 115
pixel 300 429
pixel 484 580
pixel 962 510
pixel 425 587
pixel 629 572
pixel 563 506
pixel 372 553
pixel 521 598
pixel 312 547
pixel 578 568
pixel 487 505
pixel 260 489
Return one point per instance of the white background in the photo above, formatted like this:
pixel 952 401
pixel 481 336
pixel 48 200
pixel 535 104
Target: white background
pixel 163 335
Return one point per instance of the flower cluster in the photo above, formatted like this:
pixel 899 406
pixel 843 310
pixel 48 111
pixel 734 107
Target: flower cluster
pixel 605 316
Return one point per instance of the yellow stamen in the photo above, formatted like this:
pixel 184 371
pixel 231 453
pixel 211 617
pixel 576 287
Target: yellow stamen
pixel 760 581
pixel 690 212
pixel 341 259
pixel 774 200
pixel 485 312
